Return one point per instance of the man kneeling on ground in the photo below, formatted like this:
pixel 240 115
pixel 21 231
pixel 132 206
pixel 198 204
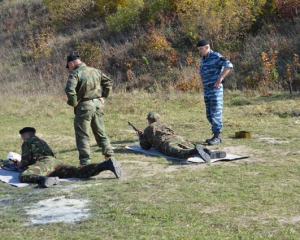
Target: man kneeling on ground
pixel 41 166
pixel 162 138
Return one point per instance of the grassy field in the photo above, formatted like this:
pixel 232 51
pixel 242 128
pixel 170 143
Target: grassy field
pixel 253 198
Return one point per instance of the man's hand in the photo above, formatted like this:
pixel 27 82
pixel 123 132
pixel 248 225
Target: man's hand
pixel 139 133
pixel 17 162
pixel 218 83
pixel 20 165
pixel 102 100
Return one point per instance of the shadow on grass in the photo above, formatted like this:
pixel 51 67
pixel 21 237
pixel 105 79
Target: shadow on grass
pixel 126 141
pixel 67 150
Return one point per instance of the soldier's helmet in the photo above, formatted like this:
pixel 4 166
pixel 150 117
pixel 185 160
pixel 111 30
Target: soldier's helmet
pixel 152 116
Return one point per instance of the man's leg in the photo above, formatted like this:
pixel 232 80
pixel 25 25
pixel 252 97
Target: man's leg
pixel 82 123
pixel 177 147
pixel 70 171
pixel 213 98
pixel 217 109
pixel 42 168
pixel 216 113
pixel 207 101
pixel 101 137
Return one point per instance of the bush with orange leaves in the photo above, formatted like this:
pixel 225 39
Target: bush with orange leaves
pixel 267 79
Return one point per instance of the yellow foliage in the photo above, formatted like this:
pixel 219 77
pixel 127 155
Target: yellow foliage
pixel 90 53
pixel 218 19
pixel 39 43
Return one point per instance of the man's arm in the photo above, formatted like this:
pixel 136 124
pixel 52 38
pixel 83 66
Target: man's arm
pixel 71 90
pixel 145 138
pixel 144 143
pixel 106 84
pixel 222 75
pixel 227 66
pixel 26 156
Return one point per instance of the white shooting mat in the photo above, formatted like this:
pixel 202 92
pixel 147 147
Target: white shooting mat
pixel 196 159
pixel 12 178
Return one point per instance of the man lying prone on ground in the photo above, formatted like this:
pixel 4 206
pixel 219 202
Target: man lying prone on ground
pixel 41 166
pixel 162 138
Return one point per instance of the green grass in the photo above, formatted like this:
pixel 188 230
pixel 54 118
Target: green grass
pixel 254 198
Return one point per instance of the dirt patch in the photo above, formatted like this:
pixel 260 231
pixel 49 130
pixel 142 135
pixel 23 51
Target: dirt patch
pixel 58 209
pixel 293 220
pixel 272 140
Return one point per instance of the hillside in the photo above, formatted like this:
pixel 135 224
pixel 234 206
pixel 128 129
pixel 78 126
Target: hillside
pixel 149 54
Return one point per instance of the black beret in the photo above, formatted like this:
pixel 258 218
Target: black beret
pixel 202 43
pixel 27 129
pixel 71 58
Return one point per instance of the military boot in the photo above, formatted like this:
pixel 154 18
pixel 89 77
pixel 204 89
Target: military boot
pixel 215 154
pixel 111 165
pixel 48 181
pixel 203 154
pixel 216 139
pixel 207 140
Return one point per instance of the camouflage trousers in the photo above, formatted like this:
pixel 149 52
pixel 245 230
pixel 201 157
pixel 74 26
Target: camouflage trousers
pixel 52 167
pixel 213 98
pixel 89 114
pixel 177 147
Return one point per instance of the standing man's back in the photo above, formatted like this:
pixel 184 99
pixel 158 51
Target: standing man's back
pixel 87 88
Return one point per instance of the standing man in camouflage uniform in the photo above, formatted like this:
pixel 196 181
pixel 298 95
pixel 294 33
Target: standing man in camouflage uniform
pixel 213 70
pixel 41 166
pixel 86 90
pixel 162 138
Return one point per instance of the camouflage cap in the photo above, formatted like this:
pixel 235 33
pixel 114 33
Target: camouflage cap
pixel 152 116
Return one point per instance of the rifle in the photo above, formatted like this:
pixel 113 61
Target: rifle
pixel 135 129
pixel 10 165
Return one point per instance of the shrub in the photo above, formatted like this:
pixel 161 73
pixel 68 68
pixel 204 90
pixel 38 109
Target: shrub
pixel 91 53
pixel 217 20
pixel 65 11
pixel 126 15
pixel 267 79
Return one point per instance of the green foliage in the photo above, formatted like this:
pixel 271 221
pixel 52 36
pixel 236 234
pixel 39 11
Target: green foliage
pixel 160 6
pixel 125 16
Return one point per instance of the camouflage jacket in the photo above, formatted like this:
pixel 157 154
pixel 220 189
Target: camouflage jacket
pixel 87 83
pixel 211 67
pixel 33 149
pixel 155 135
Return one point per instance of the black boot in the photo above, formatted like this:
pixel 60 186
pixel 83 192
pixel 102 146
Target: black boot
pixel 48 181
pixel 215 154
pixel 203 154
pixel 207 140
pixel 193 152
pixel 111 165
pixel 216 139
